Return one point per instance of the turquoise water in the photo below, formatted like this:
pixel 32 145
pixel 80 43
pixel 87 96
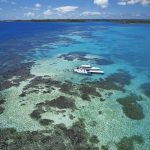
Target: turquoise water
pixel 31 54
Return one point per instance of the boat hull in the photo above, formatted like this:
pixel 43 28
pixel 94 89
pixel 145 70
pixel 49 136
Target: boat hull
pixel 96 72
pixel 87 69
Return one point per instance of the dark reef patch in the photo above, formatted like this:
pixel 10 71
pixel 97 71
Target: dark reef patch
pixel 45 84
pixel 100 112
pixel 46 122
pixel 89 89
pixel 104 147
pixel 37 140
pixel 74 55
pixel 1 109
pixel 2 101
pixel 59 138
pixel 82 57
pixel 146 89
pixel 78 136
pixel 108 94
pixel 115 81
pixel 36 114
pixel 21 71
pixel 85 97
pixel 102 99
pixel 68 88
pixel 86 91
pixel 131 108
pixel 93 123
pixel 62 102
pixel 65 88
pixel 94 139
pixel 71 116
pixel 40 84
pixel 103 61
pixel 127 143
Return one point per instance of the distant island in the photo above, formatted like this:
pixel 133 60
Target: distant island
pixel 124 21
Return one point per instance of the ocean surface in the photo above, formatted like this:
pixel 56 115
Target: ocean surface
pixel 43 100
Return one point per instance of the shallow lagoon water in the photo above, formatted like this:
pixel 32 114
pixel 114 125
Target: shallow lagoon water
pixel 53 50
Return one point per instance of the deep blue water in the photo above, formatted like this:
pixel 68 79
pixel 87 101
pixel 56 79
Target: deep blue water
pixel 125 41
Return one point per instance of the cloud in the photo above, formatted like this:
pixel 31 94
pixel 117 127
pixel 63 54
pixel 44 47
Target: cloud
pixel 122 3
pixel 101 3
pixel 66 9
pixel 48 12
pixel 90 13
pixel 37 5
pixel 132 2
pixel 29 14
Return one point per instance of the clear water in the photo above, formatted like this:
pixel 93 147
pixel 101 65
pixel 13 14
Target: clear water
pixel 127 45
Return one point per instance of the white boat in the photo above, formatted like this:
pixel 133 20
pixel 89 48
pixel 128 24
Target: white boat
pixel 81 71
pixel 87 69
pixel 94 68
pixel 96 71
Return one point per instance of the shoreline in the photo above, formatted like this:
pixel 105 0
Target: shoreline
pixel 123 21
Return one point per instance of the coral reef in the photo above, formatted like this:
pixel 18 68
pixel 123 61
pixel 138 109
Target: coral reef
pixel 74 138
pixel 1 109
pixel 78 136
pixel 86 91
pixel 45 122
pixel 82 56
pixel 36 114
pixel 68 87
pixel 62 102
pixel 40 84
pixel 74 55
pixel 54 140
pixel 2 101
pixel 104 147
pixel 146 89
pixel 115 81
pixel 127 143
pixel 131 107
pixel 22 72
pixel 94 139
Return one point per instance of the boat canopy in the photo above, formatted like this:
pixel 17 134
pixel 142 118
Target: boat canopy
pixel 85 66
pixel 94 68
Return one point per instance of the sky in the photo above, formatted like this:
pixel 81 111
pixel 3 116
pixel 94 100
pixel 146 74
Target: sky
pixel 74 9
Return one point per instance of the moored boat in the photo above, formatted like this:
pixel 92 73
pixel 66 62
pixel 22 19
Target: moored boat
pixel 81 71
pixel 87 69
